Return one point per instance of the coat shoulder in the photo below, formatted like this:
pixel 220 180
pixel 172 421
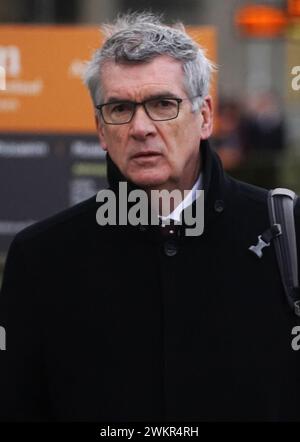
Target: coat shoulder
pixel 250 192
pixel 69 221
pixel 249 195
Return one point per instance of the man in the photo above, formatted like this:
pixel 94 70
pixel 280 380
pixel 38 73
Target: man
pixel 140 322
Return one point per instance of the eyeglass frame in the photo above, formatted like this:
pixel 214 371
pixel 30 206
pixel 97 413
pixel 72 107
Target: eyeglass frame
pixel 143 103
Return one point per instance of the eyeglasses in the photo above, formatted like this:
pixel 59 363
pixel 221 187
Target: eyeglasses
pixel 158 109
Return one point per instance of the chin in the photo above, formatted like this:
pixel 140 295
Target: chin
pixel 152 180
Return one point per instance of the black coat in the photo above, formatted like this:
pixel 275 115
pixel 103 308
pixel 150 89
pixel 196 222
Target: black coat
pixel 103 325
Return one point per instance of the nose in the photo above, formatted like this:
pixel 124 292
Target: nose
pixel 141 126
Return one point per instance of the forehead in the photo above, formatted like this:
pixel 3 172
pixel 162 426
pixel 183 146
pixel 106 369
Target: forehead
pixel 138 81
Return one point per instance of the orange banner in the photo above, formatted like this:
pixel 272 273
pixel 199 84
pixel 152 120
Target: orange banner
pixel 42 90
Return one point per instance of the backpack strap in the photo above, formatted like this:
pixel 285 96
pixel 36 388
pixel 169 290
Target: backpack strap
pixel 281 204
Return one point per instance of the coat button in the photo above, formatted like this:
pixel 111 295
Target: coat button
pixel 219 206
pixel 170 248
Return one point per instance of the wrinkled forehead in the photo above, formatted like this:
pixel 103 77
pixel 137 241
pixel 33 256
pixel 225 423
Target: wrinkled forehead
pixel 136 80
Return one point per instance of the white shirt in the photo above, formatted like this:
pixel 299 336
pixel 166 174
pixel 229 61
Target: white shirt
pixel 188 200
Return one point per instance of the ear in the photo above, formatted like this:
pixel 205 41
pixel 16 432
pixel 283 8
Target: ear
pixel 207 118
pixel 100 132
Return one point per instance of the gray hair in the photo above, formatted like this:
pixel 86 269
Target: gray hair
pixel 139 37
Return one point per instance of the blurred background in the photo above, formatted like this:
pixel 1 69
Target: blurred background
pixel 49 153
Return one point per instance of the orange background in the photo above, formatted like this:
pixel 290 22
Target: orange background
pixel 46 53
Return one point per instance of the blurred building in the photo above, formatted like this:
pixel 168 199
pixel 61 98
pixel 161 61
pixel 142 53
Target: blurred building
pixel 247 65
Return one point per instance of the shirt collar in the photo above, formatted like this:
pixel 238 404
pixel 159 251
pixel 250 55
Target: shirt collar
pixel 188 200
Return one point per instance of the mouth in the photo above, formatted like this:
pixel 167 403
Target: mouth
pixel 147 154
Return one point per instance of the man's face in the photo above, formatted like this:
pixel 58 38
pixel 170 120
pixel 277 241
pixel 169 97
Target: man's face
pixel 154 154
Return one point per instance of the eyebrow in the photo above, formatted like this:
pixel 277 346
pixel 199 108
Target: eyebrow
pixel 163 94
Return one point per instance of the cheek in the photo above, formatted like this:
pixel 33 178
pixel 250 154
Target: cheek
pixel 172 128
pixel 180 131
pixel 113 138
pixel 170 134
pixel 182 140
pixel 175 138
pixel 191 132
